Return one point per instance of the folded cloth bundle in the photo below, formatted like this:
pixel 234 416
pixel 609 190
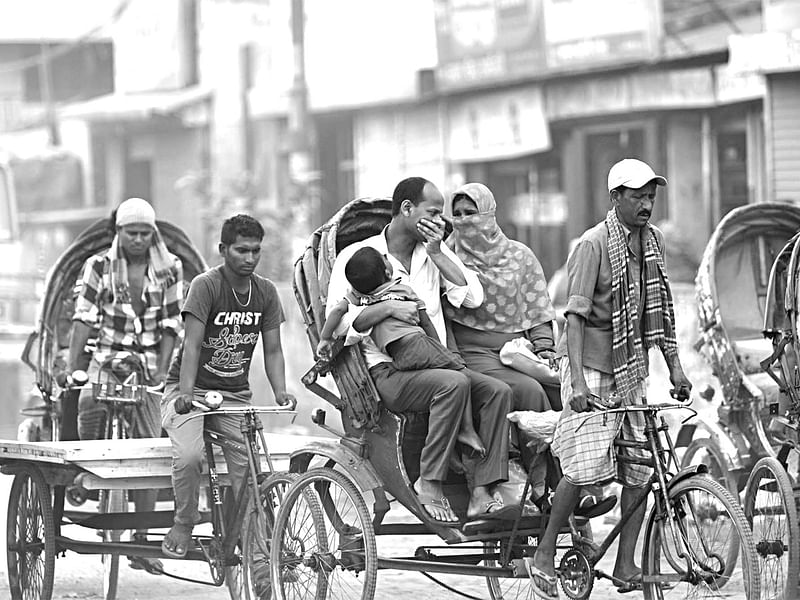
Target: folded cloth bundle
pixel 518 354
pixel 539 425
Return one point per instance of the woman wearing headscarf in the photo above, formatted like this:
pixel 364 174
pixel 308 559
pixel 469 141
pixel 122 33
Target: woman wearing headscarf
pixel 516 305
pixel 516 302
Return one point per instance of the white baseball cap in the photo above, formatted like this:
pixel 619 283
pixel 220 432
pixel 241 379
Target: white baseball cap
pixel 632 173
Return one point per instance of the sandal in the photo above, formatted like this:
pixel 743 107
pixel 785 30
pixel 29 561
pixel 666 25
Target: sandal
pixel 500 512
pixel 544 592
pixel 140 563
pixel 180 536
pixel 591 506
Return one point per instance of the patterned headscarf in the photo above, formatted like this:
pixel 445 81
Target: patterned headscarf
pixel 515 288
pixel 627 347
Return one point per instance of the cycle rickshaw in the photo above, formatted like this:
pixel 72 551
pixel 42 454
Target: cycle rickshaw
pixel 746 289
pixel 52 410
pixel 324 542
pixel 49 464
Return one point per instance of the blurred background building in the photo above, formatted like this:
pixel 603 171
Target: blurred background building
pixel 289 108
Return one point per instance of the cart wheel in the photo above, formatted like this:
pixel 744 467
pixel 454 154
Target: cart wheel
pixel 712 531
pixel 30 537
pixel 769 506
pixel 706 451
pixel 324 542
pixel 251 580
pixel 112 501
pixel 508 588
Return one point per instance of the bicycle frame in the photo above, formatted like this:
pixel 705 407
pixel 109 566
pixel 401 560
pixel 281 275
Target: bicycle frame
pixel 661 457
pixel 221 550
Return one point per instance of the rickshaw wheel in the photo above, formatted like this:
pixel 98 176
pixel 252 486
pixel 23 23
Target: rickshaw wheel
pixel 30 537
pixel 111 501
pixel 712 528
pixel 770 509
pixel 707 452
pixel 252 579
pixel 324 542
pixel 507 588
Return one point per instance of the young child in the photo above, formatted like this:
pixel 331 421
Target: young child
pixel 412 347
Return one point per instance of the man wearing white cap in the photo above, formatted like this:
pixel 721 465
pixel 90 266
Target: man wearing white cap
pixel 131 294
pixel 620 305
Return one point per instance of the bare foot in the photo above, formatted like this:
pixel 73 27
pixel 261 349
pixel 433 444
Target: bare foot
pixel 472 440
pixel 431 496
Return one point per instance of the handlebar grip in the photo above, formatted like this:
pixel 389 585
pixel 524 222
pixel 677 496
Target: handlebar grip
pixel 79 377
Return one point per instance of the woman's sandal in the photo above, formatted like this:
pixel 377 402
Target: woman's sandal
pixel 181 537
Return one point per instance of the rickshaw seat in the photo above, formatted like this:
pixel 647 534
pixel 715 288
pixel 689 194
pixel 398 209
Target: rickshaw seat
pixel 767 385
pixel 750 353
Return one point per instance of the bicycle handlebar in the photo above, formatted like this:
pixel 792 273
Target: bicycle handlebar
pixel 242 410
pixel 602 410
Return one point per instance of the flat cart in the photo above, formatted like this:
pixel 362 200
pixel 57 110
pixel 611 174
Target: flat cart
pixel 39 528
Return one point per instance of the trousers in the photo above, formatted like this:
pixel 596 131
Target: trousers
pixel 188 449
pixel 443 394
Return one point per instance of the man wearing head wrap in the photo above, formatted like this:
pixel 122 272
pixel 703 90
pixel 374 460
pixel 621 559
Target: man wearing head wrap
pixel 131 295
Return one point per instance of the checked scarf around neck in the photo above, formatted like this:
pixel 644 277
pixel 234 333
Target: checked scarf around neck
pixel 161 266
pixel 628 347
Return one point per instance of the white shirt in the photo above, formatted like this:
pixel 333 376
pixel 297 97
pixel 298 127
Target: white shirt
pixel 425 279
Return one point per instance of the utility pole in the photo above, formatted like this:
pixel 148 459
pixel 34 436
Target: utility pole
pixel 46 91
pixel 300 150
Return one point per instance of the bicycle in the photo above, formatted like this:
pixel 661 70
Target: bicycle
pixel 120 386
pixel 693 536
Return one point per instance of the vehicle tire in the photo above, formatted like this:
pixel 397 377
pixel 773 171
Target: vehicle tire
pixel 111 501
pixel 324 542
pixel 509 588
pixel 30 537
pixel 251 580
pixel 711 528
pixel 706 451
pixel 770 509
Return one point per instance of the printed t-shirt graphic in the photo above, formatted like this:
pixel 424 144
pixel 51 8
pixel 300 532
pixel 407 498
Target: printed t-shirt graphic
pixel 231 331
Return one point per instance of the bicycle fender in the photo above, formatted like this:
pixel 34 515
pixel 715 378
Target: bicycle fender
pixel 730 452
pixel 358 469
pixel 687 472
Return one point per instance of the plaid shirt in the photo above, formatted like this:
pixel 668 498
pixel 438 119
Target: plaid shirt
pixel 120 329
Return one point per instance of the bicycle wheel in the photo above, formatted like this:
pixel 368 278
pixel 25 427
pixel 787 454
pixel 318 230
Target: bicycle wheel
pixel 111 501
pixel 253 577
pixel 508 588
pixel 30 537
pixel 706 451
pixel 695 555
pixel 324 542
pixel 769 507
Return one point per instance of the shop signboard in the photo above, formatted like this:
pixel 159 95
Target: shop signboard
pixel 481 41
pixel 498 125
pixel 584 33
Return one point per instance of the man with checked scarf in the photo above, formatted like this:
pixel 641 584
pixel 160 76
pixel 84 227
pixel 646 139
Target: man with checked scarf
pixel 620 306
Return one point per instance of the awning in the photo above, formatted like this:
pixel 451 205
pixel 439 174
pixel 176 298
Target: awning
pixel 135 107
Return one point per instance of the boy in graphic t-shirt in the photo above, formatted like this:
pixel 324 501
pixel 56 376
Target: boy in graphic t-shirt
pixel 227 309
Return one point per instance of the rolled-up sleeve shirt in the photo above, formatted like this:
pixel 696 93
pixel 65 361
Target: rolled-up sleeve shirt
pixel 119 328
pixel 424 278
pixel 589 289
